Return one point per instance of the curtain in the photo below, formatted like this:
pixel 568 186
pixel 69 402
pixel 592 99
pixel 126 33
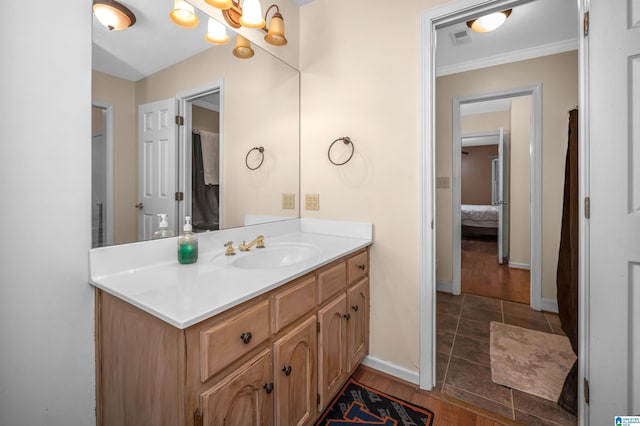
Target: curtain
pixel 567 274
pixel 205 202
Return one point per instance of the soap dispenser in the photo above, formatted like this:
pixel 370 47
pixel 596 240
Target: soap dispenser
pixel 163 230
pixel 187 244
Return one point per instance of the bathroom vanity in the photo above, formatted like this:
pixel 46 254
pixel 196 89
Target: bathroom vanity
pixel 232 339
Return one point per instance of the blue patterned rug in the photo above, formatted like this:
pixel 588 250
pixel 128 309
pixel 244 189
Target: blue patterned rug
pixel 357 404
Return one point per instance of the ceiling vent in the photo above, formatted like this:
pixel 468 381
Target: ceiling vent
pixel 460 36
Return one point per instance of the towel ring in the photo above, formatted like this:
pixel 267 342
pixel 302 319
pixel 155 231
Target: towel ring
pixel 246 159
pixel 347 141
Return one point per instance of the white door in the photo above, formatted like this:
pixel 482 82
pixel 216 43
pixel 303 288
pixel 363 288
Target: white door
pixel 157 164
pixel 613 298
pixel 503 192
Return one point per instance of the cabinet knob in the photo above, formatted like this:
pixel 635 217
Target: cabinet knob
pixel 287 370
pixel 347 316
pixel 245 337
pixel 355 308
pixel 362 267
pixel 268 387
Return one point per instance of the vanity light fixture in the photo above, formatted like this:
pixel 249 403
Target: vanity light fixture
pixel 249 15
pixel 275 33
pixel 216 32
pixel 243 48
pixel 113 15
pixel 184 14
pixel 490 22
pixel 220 4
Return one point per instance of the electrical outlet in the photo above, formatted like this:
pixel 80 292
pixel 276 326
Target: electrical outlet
pixel 288 201
pixel 312 202
pixel 442 182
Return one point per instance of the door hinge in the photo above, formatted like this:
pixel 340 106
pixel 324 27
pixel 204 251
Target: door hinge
pixel 197 418
pixel 585 23
pixel 179 196
pixel 179 120
pixel 586 391
pixel 587 207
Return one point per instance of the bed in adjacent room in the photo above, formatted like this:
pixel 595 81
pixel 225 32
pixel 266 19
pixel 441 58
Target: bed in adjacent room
pixel 479 221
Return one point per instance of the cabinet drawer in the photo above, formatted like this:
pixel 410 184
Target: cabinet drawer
pixel 357 267
pixel 291 304
pixel 331 281
pixel 227 341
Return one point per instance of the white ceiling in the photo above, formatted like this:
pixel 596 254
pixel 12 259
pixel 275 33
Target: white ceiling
pixel 154 42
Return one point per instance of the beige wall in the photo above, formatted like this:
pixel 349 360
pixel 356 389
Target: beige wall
pixel 360 78
pixel 558 75
pixel 205 119
pixel 519 185
pixel 484 122
pixel 476 181
pixel 120 93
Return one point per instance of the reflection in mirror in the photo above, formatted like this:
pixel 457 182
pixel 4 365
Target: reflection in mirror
pixel 228 105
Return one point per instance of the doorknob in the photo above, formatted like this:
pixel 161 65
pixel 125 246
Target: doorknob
pixel 139 206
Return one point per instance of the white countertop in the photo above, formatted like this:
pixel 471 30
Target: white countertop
pixel 148 275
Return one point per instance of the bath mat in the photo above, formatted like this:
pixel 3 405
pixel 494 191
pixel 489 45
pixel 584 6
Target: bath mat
pixel 530 361
pixel 360 405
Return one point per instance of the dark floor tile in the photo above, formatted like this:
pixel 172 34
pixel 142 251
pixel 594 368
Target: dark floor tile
pixel 522 311
pixel 446 323
pixel 481 314
pixel 486 303
pixel 528 323
pixel 472 350
pixel 444 341
pixel 476 378
pixel 442 361
pixel 541 407
pixel 448 297
pixel 474 329
pixel 554 321
pixel 479 401
pixel 449 307
pixel 530 420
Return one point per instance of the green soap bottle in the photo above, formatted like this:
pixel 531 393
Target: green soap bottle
pixel 187 244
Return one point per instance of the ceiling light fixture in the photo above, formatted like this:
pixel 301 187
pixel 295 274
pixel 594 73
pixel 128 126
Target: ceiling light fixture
pixel 490 22
pixel 216 32
pixel 113 15
pixel 183 14
pixel 243 48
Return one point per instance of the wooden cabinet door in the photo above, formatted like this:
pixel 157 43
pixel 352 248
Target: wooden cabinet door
pixel 358 323
pixel 332 341
pixel 244 398
pixel 295 375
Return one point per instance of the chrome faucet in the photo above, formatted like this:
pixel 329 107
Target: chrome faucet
pixel 258 242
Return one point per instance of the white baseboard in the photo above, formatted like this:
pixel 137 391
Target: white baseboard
pixel 392 369
pixel 520 266
pixel 549 305
pixel 444 286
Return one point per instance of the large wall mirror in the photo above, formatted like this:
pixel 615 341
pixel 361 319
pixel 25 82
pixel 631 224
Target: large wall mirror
pixel 234 159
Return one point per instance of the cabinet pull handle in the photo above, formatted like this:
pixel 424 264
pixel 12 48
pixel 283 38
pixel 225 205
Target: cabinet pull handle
pixel 354 308
pixel 245 337
pixel 347 316
pixel 287 370
pixel 268 387
pixel 362 267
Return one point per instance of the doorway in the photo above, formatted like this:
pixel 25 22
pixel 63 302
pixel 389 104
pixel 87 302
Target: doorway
pixel 101 175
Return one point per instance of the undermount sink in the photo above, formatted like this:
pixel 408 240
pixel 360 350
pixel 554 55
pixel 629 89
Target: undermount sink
pixel 275 255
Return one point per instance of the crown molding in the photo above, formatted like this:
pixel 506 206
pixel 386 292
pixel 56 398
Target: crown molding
pixel 505 58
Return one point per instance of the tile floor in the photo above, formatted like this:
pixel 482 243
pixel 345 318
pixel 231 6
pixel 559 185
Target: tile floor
pixel 463 365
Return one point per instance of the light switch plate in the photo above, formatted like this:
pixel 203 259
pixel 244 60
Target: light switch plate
pixel 288 201
pixel 442 182
pixel 312 201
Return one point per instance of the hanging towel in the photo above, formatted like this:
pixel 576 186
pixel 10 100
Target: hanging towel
pixel 210 157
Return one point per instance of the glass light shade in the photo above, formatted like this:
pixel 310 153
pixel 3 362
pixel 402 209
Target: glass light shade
pixel 216 32
pixel 252 14
pixel 183 14
pixel 488 23
pixel 113 15
pixel 220 4
pixel 243 48
pixel 275 36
